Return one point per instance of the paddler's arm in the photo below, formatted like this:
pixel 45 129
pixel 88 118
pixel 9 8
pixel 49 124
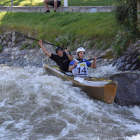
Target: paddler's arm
pixel 93 65
pixel 71 67
pixel 68 54
pixel 44 49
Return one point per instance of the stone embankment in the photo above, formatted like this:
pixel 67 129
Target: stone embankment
pixel 130 59
pixel 18 51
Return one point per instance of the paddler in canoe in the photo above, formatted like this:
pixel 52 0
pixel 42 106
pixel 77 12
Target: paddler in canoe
pixel 79 67
pixel 62 58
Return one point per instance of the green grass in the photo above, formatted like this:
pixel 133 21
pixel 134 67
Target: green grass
pixel 91 2
pixel 50 26
pixel 70 2
pixel 1 48
pixel 21 2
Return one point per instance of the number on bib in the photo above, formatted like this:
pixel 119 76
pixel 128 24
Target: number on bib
pixel 83 70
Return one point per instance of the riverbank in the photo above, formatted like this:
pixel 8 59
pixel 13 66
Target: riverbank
pixel 71 29
pixel 19 51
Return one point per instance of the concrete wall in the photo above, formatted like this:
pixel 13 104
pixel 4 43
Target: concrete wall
pixel 90 9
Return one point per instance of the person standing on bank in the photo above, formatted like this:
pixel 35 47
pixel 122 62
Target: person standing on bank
pixel 63 58
pixel 81 69
pixel 54 3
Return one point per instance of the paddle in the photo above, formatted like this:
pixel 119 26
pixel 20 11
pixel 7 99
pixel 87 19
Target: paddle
pixel 90 59
pixel 25 36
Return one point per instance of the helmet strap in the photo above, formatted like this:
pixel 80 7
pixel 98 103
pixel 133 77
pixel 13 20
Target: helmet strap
pixel 79 59
pixel 78 56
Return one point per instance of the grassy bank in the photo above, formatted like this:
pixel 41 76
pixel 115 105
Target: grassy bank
pixel 72 28
pixel 50 26
pixel 70 2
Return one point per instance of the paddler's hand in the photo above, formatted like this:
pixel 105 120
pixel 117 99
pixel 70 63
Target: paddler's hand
pixel 40 42
pixel 75 63
pixel 66 49
pixel 94 58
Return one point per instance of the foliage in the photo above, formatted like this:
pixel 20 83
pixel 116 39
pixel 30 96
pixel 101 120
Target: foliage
pixel 104 44
pixel 126 15
pixel 120 43
pixel 32 45
pixel 28 46
pixel 23 46
pixel 91 44
pixel 1 48
pixel 65 40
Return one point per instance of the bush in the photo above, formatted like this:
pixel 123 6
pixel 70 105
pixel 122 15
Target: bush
pixel 24 46
pixel 120 43
pixel 65 40
pixel 126 14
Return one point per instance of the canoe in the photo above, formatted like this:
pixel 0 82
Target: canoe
pixel 101 89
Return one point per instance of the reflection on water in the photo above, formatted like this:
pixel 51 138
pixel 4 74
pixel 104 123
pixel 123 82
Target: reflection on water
pixel 35 106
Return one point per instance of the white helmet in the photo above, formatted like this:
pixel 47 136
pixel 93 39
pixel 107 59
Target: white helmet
pixel 80 49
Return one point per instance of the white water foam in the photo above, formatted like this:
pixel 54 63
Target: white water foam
pixel 36 106
pixel 136 111
pixel 137 137
pixel 103 71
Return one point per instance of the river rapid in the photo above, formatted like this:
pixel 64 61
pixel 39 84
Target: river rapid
pixel 36 106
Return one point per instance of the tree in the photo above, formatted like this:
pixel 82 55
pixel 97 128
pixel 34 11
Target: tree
pixel 126 14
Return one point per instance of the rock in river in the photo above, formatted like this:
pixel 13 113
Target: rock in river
pixel 128 92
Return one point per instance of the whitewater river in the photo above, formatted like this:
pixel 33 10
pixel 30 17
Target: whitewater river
pixel 36 106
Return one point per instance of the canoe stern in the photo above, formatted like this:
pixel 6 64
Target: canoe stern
pixel 109 93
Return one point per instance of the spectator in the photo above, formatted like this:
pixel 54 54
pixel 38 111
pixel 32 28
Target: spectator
pixel 54 3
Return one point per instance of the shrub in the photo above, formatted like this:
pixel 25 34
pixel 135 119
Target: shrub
pixel 23 46
pixel 126 15
pixel 65 40
pixel 120 43
pixel 1 48
pixel 32 45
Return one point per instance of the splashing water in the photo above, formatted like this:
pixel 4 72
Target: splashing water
pixel 36 106
pixel 137 137
pixel 103 71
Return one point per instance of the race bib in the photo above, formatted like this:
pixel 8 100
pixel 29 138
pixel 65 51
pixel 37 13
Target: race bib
pixel 80 70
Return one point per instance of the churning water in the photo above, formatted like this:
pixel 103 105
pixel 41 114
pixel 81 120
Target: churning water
pixel 36 106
